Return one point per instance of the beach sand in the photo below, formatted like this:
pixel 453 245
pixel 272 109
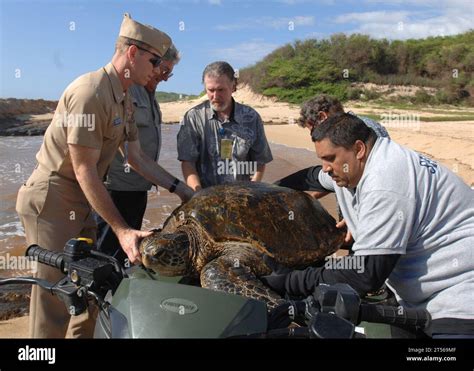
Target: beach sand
pixel 451 143
pixel 14 328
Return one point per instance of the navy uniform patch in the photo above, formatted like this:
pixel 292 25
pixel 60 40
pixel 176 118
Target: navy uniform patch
pixel 117 121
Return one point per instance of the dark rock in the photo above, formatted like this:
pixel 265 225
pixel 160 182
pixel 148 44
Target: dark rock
pixel 14 301
pixel 12 123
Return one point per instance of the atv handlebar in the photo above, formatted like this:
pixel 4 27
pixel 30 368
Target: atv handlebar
pixel 333 311
pixel 394 315
pixel 89 274
pixel 342 300
pixel 51 258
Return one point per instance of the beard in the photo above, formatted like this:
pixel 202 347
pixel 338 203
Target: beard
pixel 219 108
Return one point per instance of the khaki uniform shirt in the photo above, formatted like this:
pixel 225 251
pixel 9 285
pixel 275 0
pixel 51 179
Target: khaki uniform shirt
pixel 92 112
pixel 147 116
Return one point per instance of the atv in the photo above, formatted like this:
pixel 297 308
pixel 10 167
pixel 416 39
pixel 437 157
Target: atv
pixel 138 303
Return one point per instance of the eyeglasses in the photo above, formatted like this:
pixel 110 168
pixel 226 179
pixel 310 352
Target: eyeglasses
pixel 166 73
pixel 154 61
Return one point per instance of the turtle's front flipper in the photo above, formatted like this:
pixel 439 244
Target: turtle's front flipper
pixel 223 274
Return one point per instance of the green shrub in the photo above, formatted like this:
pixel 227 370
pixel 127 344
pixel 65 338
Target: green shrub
pixel 369 95
pixel 299 70
pixel 421 96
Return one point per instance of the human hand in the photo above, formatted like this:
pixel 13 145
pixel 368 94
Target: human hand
pixel 129 240
pixel 184 192
pixel 284 314
pixel 342 224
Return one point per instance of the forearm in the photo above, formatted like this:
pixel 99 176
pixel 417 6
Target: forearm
pixel 368 276
pixel 258 176
pixel 305 180
pixel 317 195
pixel 99 198
pixel 153 172
pixel 190 175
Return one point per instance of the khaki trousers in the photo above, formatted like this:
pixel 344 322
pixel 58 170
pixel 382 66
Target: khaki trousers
pixel 53 210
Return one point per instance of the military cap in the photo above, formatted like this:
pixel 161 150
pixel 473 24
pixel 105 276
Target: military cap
pixel 149 35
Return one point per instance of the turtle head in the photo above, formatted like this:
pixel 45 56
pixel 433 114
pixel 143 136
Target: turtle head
pixel 166 253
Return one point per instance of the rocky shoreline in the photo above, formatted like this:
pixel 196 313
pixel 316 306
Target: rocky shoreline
pixel 14 127
pixel 25 117
pixel 14 301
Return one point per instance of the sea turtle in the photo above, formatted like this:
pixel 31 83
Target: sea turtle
pixel 222 233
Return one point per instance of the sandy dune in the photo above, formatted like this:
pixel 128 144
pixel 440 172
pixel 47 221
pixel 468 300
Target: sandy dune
pixel 269 109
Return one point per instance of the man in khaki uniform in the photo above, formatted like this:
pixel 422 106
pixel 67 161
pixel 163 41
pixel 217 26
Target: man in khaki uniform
pixel 93 119
pixel 129 190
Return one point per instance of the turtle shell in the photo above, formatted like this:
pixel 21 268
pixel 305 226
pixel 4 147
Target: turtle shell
pixel 287 224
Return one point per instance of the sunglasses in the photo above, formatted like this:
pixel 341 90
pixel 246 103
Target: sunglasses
pixel 166 73
pixel 154 61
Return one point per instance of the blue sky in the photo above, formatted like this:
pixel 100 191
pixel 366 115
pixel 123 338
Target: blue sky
pixel 46 44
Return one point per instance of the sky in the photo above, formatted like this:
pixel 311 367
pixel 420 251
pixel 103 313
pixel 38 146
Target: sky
pixel 46 44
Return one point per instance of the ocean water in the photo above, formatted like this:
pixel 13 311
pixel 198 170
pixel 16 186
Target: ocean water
pixel 17 161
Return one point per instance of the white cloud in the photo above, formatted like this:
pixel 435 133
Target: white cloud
pixel 456 16
pixel 268 22
pixel 215 2
pixel 319 2
pixel 431 3
pixel 278 23
pixel 245 53
pixel 438 26
pixel 371 17
pixel 316 35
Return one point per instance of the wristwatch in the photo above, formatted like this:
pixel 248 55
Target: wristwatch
pixel 173 186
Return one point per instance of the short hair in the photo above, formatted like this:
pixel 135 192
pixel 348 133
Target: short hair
pixel 123 42
pixel 310 109
pixel 343 130
pixel 172 55
pixel 220 68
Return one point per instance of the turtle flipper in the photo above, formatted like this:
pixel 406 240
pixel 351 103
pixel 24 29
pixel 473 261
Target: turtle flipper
pixel 222 274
